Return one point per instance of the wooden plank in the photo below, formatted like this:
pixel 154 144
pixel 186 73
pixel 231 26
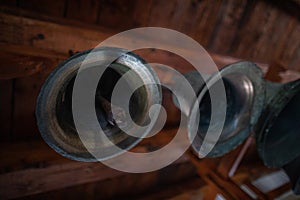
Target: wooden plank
pixel 83 10
pixel 117 15
pixel 184 14
pixel 173 190
pixel 30 51
pixel 259 193
pixel 200 20
pixel 228 188
pixel 250 32
pixel 277 40
pixel 29 65
pixel 32 154
pixel 121 187
pixel 51 36
pixel 48 7
pixel 243 21
pixel 6 106
pixel 279 191
pixel 289 55
pixel 27 182
pixel 228 23
pixel 266 40
pixel 274 36
pixel 25 97
pixel 25 60
pixel 251 168
pixel 29 168
pixel 161 13
pixel 54 37
pixel 206 21
pixel 142 12
pixel 270 33
pixel 16 11
pixel 195 194
pixel 288 7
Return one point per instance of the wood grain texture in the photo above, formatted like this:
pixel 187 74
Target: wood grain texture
pixel 38 169
pixel 6 109
pixel 161 13
pixel 48 7
pixel 25 98
pixel 228 20
pixel 117 15
pixel 47 35
pixel 260 30
pixel 36 36
pixel 21 60
pixel 267 34
pixel 203 31
pixel 82 10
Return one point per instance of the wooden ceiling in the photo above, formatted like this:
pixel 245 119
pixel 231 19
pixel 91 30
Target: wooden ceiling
pixel 36 35
pixel 253 29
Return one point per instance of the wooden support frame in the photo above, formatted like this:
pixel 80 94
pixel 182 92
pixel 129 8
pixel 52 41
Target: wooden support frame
pixel 220 177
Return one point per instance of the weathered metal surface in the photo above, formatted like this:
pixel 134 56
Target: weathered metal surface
pixel 245 95
pixel 277 131
pixel 54 107
pixel 269 109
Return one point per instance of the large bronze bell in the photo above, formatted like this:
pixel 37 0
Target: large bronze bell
pixel 54 108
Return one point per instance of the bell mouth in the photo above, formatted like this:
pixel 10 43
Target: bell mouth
pixel 277 133
pixel 54 109
pixel 242 81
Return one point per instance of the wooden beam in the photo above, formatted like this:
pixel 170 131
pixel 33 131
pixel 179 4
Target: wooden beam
pixel 279 191
pixel 32 181
pixel 230 162
pixel 38 169
pixel 30 51
pixel 47 35
pixel 20 60
pixel 259 193
pixel 173 191
pixel 289 7
pixel 6 102
pixel 225 187
pixel 62 39
pixel 29 168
